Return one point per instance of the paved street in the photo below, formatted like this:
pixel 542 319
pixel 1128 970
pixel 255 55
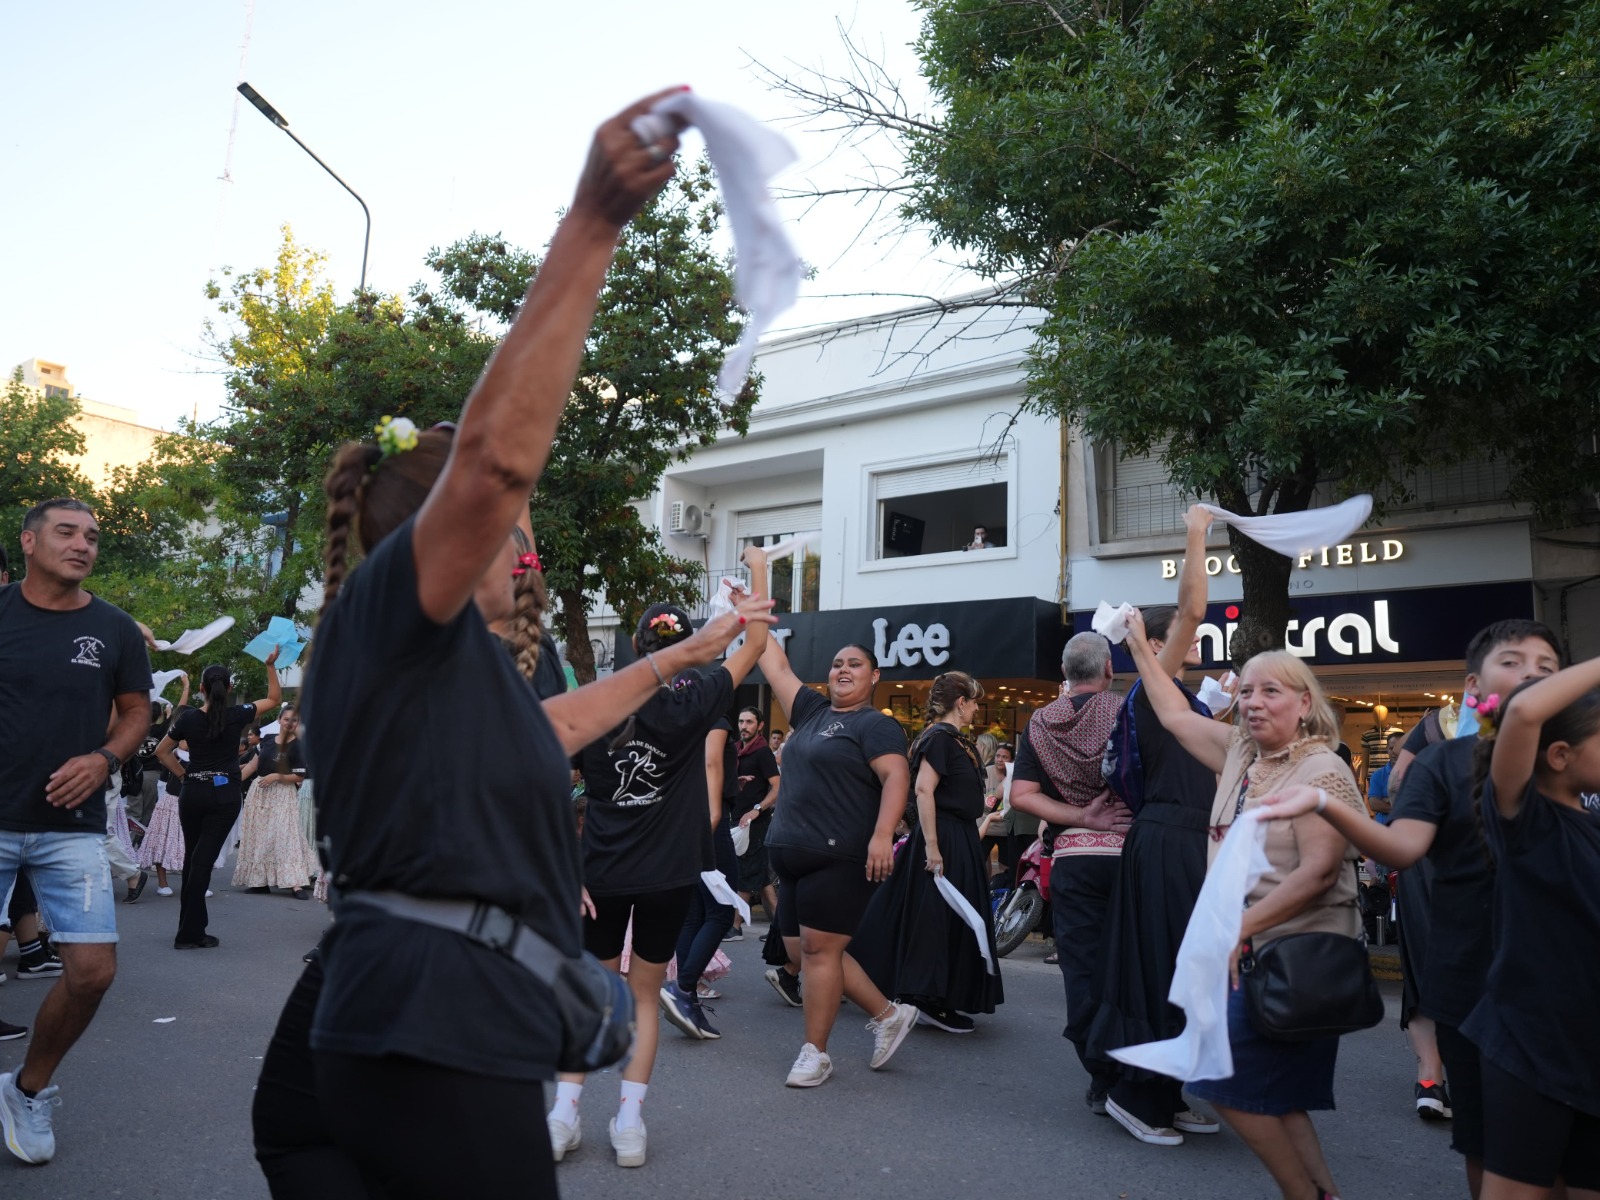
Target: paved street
pixel 162 1110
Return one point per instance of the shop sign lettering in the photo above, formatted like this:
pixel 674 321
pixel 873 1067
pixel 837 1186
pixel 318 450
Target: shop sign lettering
pixel 1347 634
pixel 911 645
pixel 1345 554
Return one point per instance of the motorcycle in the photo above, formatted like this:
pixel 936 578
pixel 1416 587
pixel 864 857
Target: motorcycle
pixel 1025 906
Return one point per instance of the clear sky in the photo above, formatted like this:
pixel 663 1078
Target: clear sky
pixel 447 118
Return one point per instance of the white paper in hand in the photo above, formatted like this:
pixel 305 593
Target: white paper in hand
pixel 964 910
pixel 724 894
pixel 1112 623
pixel 1299 533
pixel 191 640
pixel 159 681
pixel 1215 696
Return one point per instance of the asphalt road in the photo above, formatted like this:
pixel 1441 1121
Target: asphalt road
pixel 163 1110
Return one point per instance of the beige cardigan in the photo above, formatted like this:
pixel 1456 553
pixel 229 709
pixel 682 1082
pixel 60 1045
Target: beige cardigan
pixel 1308 761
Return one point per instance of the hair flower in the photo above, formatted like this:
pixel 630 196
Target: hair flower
pixel 396 435
pixel 666 623
pixel 1488 713
pixel 525 563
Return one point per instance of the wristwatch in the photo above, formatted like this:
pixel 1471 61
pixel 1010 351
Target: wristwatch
pixel 114 763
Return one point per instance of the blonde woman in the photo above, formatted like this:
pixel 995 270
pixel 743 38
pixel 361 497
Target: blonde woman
pixel 1286 735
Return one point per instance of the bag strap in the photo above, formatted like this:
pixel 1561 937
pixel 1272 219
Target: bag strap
pixel 486 924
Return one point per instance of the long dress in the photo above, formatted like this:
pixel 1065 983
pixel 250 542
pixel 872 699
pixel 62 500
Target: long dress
pixel 163 837
pixel 911 943
pixel 273 849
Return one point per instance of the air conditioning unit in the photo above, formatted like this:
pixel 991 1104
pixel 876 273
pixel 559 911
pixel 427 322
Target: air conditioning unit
pixel 687 519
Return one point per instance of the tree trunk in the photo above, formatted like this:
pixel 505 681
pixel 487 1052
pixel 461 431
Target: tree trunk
pixel 1264 614
pixel 575 628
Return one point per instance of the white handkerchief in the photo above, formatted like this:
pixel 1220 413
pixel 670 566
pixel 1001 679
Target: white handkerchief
pixel 1214 696
pixel 789 546
pixel 1298 533
pixel 718 883
pixel 767 270
pixel 1200 982
pixel 159 681
pixel 191 640
pixel 964 910
pixel 1112 623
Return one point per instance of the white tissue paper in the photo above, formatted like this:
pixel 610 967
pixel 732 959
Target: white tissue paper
pixel 963 907
pixel 723 892
pixel 1217 695
pixel 722 602
pixel 767 269
pixel 159 681
pixel 1200 984
pixel 191 640
pixel 1299 533
pixel 1112 623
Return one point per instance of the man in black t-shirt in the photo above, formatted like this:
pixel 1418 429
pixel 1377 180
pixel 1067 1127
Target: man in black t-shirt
pixel 69 663
pixel 757 776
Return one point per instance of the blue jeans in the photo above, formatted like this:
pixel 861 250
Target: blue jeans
pixel 707 919
pixel 71 879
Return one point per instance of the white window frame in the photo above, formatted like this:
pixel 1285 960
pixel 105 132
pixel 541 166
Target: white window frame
pixel 870 531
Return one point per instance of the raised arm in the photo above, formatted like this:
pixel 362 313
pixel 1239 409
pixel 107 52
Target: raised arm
pixel 511 416
pixel 583 715
pixel 785 684
pixel 183 696
pixel 274 686
pixel 1191 592
pixel 1516 742
pixel 743 660
pixel 1202 737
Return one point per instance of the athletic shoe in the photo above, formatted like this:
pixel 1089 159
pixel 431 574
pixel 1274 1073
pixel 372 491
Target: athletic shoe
pixel 1190 1121
pixel 208 942
pixel 1151 1135
pixel 161 891
pixel 629 1144
pixel 1433 1102
pixel 10 1033
pixel 678 1007
pixel 564 1137
pixel 136 887
pixel 785 984
pixel 810 1069
pixel 1095 1098
pixel 943 1018
pixel 27 1122
pixel 735 934
pixel 888 1033
pixel 38 965
pixel 707 1030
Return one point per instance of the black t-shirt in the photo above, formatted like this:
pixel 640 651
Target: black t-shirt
pixel 1437 788
pixel 478 809
pixel 1426 732
pixel 761 764
pixel 1171 773
pixel 147 748
pixel 1537 1019
pixel 60 673
pixel 209 753
pixel 959 792
pixel 647 826
pixel 279 760
pixel 831 795
pixel 730 762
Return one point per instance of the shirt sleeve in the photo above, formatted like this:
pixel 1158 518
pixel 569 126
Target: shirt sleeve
pixel 805 706
pixel 695 699
pixel 936 753
pixel 1424 795
pixel 132 672
pixel 1026 765
pixel 883 736
pixel 767 764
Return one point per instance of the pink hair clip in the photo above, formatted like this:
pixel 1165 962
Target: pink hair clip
pixel 525 563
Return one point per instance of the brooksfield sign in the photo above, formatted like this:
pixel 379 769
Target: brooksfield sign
pixel 1345 554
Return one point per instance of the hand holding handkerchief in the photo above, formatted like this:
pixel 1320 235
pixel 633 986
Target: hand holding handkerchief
pixel 281 633
pixel 1112 623
pixel 1296 534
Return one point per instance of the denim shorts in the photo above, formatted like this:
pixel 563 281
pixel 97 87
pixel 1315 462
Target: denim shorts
pixel 1270 1077
pixel 70 877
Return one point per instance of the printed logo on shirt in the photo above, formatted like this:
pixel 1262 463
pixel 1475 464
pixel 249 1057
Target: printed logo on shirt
pixel 639 775
pixel 88 651
pixel 835 727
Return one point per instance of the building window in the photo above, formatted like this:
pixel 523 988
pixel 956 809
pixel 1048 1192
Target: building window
pixel 795 581
pixel 939 509
pixel 56 393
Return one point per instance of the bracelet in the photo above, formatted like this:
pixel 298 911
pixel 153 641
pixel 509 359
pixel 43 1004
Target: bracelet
pixel 651 659
pixel 1322 800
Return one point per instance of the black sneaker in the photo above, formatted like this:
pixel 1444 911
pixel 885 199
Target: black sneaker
pixel 945 1019
pixel 734 934
pixel 1095 1098
pixel 1433 1101
pixel 136 887
pixel 785 984
pixel 208 942
pixel 39 965
pixel 10 1033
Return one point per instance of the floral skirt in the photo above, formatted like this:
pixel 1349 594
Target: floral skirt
pixel 273 850
pixel 163 837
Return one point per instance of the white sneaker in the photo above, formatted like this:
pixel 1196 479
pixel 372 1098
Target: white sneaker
pixel 629 1144
pixel 163 891
pixel 810 1069
pixel 888 1033
pixel 1191 1121
pixel 209 893
pixel 27 1122
pixel 1149 1134
pixel 563 1137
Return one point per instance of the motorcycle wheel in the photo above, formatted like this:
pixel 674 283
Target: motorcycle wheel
pixel 1018 917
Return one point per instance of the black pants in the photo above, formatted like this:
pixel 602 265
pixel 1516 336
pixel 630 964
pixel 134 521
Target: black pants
pixel 340 1127
pixel 207 813
pixel 1081 887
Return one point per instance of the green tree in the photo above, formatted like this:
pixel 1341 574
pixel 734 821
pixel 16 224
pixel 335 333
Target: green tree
pixel 38 443
pixel 1299 248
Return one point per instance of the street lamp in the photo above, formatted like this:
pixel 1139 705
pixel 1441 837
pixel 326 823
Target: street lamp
pixel 278 119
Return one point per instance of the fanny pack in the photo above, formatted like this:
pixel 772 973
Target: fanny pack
pixel 594 1004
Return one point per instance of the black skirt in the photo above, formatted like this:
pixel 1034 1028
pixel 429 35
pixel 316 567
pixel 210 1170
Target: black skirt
pixel 913 945
pixel 1414 906
pixel 1163 866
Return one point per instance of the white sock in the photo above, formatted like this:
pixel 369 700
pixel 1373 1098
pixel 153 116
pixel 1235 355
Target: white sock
pixel 631 1111
pixel 566 1107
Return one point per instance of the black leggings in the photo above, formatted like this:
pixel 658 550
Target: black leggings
pixel 382 1141
pixel 657 920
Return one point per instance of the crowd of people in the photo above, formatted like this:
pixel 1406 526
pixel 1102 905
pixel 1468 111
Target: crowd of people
pixel 486 943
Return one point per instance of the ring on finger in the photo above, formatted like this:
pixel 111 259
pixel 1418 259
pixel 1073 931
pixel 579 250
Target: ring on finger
pixel 658 153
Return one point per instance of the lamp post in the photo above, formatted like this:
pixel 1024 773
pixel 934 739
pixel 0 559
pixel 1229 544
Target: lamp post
pixel 278 119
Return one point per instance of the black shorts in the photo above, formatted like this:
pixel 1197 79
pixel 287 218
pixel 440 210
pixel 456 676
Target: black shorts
pixel 819 891
pixel 657 920
pixel 1463 1069
pixel 1533 1139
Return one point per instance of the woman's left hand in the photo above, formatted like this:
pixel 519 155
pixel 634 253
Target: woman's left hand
pixel 935 860
pixel 880 857
pixel 586 907
pixel 1233 962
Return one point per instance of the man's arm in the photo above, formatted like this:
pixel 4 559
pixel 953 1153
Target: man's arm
pixel 1104 813
pixel 80 777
